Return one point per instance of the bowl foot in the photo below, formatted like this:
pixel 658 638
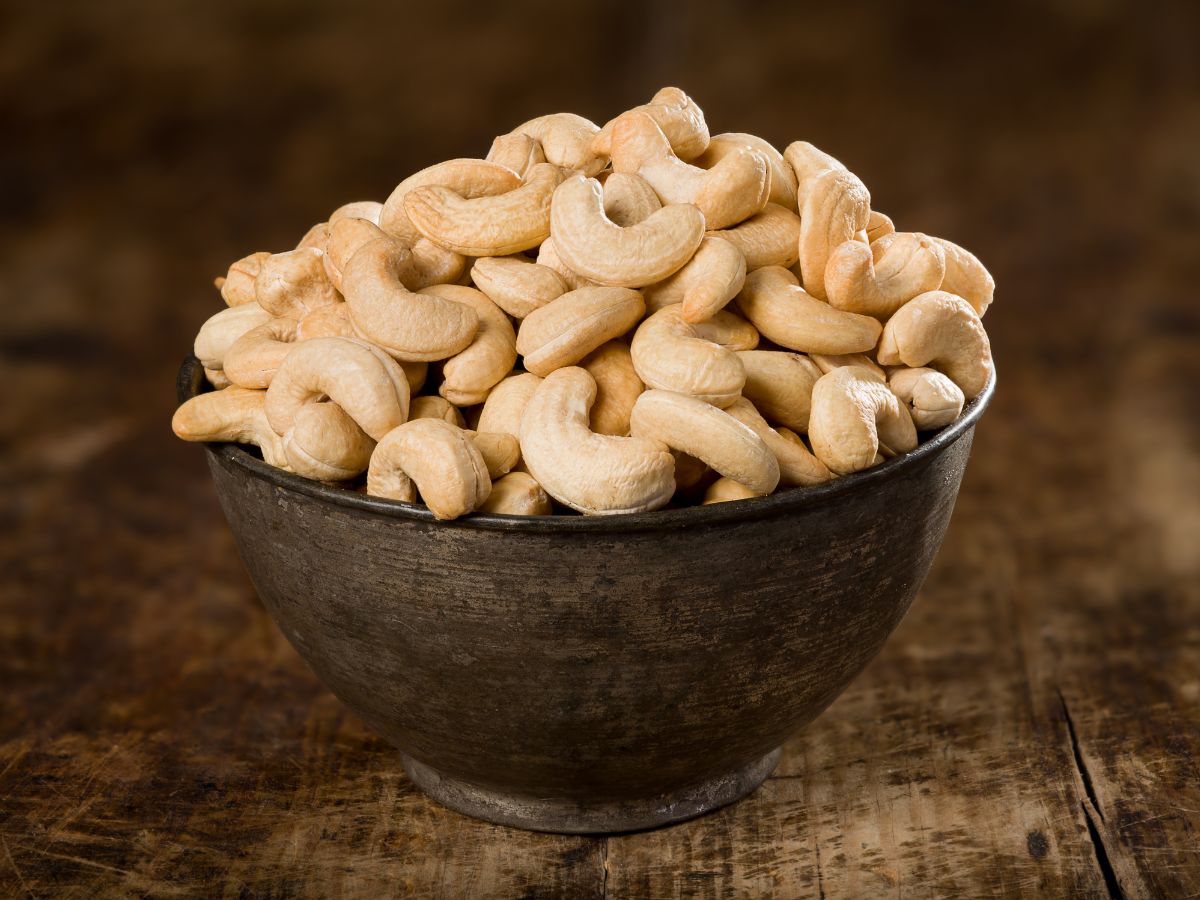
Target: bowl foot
pixel 574 817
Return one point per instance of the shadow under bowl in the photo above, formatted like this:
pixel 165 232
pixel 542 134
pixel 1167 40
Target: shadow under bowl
pixel 591 674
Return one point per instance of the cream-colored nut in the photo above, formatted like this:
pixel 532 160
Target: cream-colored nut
pixel 689 471
pixel 680 119
pixel 735 188
pixel 434 265
pixel 837 206
pixel 783 178
pixel 827 362
pixel 770 238
pixel 933 400
pixel 785 313
pixel 599 249
pixel 349 235
pixel 517 494
pixel 597 474
pixel 629 199
pixel 315 237
pixel 494 225
pixel 254 358
pixel 293 284
pixel 237 287
pixel 518 152
pixel 359 377
pixel 548 257
pixel 617 387
pixel 516 284
pixel 700 429
pixel 468 376
pixel 967 277
pixel 325 444
pixel 411 326
pixel 940 330
pixel 808 164
pixel 911 265
pixel 699 359
pixel 574 324
pixel 441 459
pixel 234 414
pixel 505 405
pixel 218 379
pixel 723 490
pixel 415 373
pixel 220 331
pixel 435 408
pixel 466 177
pixel 328 321
pixel 780 384
pixel 797 466
pixel 566 141
pixel 878 225
pixel 709 280
pixel 855 419
pixel 370 210
pixel 500 451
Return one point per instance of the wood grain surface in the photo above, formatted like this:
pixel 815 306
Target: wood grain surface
pixel 1033 726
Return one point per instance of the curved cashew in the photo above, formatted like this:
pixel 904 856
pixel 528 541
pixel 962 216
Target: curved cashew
pixel 370 210
pixel 912 264
pixel 827 362
pixel 709 280
pixel 363 380
pixel 680 119
pixel 836 207
pixel 734 189
pixel 967 277
pixel 328 321
pixel 785 313
pixel 517 494
pixel 434 265
pixel 617 387
pixel 440 458
pixel 294 283
pixel 217 379
pixel 629 199
pixel 780 384
pixel 518 152
pixel 466 177
pixel 933 399
pixel 770 238
pixel 349 235
pixel 505 405
pixel 940 330
pixel 469 375
pixel 699 359
pixel 515 284
pixel 571 326
pixel 220 331
pixel 500 451
pixel 315 237
pixel 548 257
pixel 325 444
pixel 414 327
pixel 808 163
pixel 797 466
pixel 877 226
pixel 783 178
pixel 566 141
pixel 726 489
pixel 598 474
pixel 710 434
pixel 435 408
pixel 494 225
pixel 599 249
pixel 233 414
pixel 254 358
pixel 855 419
pixel 237 287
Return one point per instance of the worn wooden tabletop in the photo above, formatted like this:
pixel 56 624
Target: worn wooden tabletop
pixel 1033 727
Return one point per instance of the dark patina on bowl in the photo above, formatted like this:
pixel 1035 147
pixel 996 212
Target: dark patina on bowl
pixel 591 674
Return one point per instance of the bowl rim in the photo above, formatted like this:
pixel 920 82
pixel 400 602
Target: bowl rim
pixel 191 382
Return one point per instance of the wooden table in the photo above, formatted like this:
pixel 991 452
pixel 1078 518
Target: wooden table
pixel 1033 727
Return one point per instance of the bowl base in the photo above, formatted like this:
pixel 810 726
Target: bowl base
pixel 566 816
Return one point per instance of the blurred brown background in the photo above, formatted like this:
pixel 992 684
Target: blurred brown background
pixel 1031 727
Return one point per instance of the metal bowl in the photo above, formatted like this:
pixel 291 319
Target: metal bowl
pixel 591 674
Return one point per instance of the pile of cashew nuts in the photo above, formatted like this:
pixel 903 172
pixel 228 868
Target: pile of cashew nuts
pixel 627 317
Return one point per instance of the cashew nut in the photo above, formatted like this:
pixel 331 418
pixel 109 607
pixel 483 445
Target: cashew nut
pixel 294 283
pixel 617 387
pixel 435 408
pixel 699 359
pixel 469 375
pixel 217 379
pixel 710 434
pixel 797 466
pixel 441 459
pixel 515 284
pixel 940 330
pixel 505 405
pixel 933 399
pixel 808 163
pixel 325 444
pixel 827 362
pixel 681 121
pixel 912 264
pixel 967 277
pixel 518 152
pixel 592 245
pixel 328 321
pixel 780 384
pixel 566 141
pixel 725 489
pixel 349 235
pixel 785 313
pixel 360 378
pixel 709 280
pixel 233 414
pixel 594 473
pixel 877 226
pixel 370 210
pixel 468 178
pixel 574 324
pixel 856 419
pixel 835 208
pixel 220 331
pixel 548 257
pixel 629 199
pixel 237 287
pixel 500 451
pixel 517 494
pixel 254 358
pixel 783 178
pixel 769 238
pixel 315 237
